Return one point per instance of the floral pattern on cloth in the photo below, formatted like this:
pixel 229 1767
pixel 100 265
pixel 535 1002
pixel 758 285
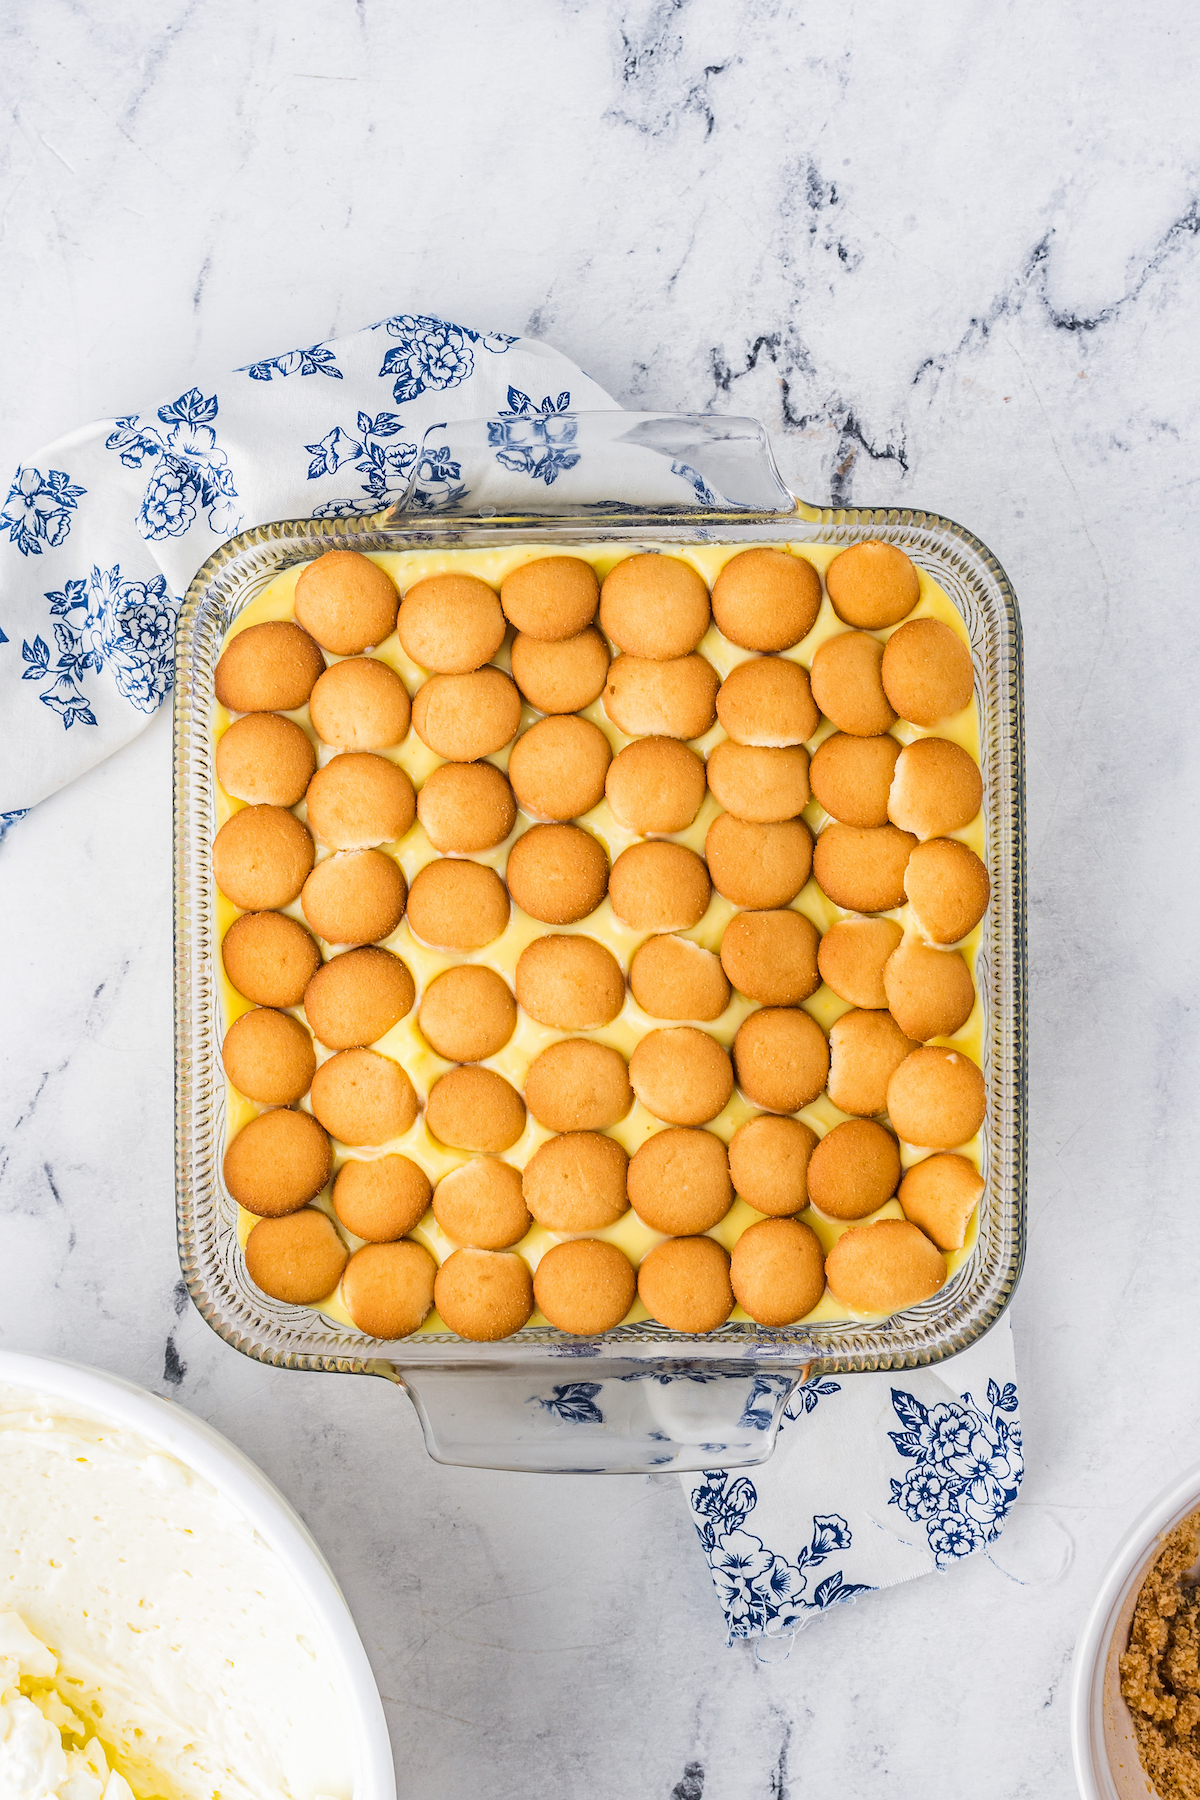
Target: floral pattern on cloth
pixel 318 359
pixel 101 621
pixel 37 512
pixel 967 1468
pixel 433 353
pixel 535 440
pixel 190 472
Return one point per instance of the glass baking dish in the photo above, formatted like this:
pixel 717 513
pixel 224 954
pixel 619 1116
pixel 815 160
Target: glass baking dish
pixel 640 1397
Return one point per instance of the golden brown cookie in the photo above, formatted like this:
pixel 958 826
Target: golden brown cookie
pixel 585 1288
pixel 475 1109
pixel 679 1182
pixel 936 788
pixel 778 1271
pixel 576 1182
pixel 483 1294
pixel 361 1097
pixel 265 760
pixel 382 1199
pixel 673 978
pixel 884 1267
pixel 766 599
pixel 360 704
pixel 468 1013
pixel 656 784
pixel 929 992
pixel 480 1204
pixel 355 897
pixel 684 1284
pixel 464 717
pixel 758 866
pixel 551 597
pixel 357 996
pixel 863 867
pixel 872 585
pixel 939 1194
pixel 767 702
pixel 451 624
pixel 561 678
pixel 855 1169
pixel 681 1075
pixel 577 1085
pixel 768 1160
pixel 466 807
pixel 772 956
pixel 852 777
pixel 277 1163
pixel 359 800
pixel 457 905
pixel 270 958
pixel 675 699
pixel 388 1288
pixel 655 606
pixel 865 1050
pixel 852 956
pixel 570 982
pixel 659 887
pixel 557 873
pixel 781 1057
pixel 298 1259
pixel 948 889
pixel 847 687
pixel 346 601
pixel 557 767
pixel 763 787
pixel 261 857
pixel 937 1098
pixel 267 668
pixel 269 1057
pixel 927 673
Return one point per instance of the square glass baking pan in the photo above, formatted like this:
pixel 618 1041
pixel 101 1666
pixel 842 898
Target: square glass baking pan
pixel 640 1397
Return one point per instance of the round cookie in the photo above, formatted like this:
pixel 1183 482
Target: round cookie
pixel 361 1097
pixel 653 605
pixel 464 717
pixel 261 857
pixel 927 673
pixel 457 905
pixel 359 800
pixel 758 866
pixel 355 897
pixel 684 1284
pixel 772 956
pixel 865 1050
pixel 781 1057
pixel 483 1295
pixel 659 887
pixel 937 1098
pixel 852 956
pixel 277 1163
pixel 585 1287
pixel 564 677
pixel 872 585
pixel 929 992
pixel 679 1182
pixel 347 602
pixel 852 777
pixel 298 1259
pixel 577 1182
pixel 481 1204
pixel 475 1109
pixel 855 1169
pixel 267 668
pixel 766 599
pixel 764 787
pixel 265 760
pixel 936 788
pixel 673 978
pixel 655 785
pixel 778 1271
pixel 939 1194
pixel 767 702
pixel 569 982
pixel 468 1013
pixel 675 699
pixel 551 597
pixel 948 889
pixel 681 1075
pixel 360 704
pixel 884 1267
pixel 847 687
pixel 768 1160
pixel 381 1199
pixel 577 1085
pixel 557 767
pixel 557 873
pixel 466 807
pixel 269 958
pixel 388 1288
pixel 451 624
pixel 863 867
pixel 356 997
pixel 269 1057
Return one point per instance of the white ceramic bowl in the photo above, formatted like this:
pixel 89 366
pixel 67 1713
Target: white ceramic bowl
pixel 245 1486
pixel 1102 1736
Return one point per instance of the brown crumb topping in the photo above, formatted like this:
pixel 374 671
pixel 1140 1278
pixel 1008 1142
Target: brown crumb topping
pixel 1160 1671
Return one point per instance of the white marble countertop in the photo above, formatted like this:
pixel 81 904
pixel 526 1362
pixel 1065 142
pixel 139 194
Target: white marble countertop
pixel 949 255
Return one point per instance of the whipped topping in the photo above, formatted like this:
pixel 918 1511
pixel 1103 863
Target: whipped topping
pixel 35 1761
